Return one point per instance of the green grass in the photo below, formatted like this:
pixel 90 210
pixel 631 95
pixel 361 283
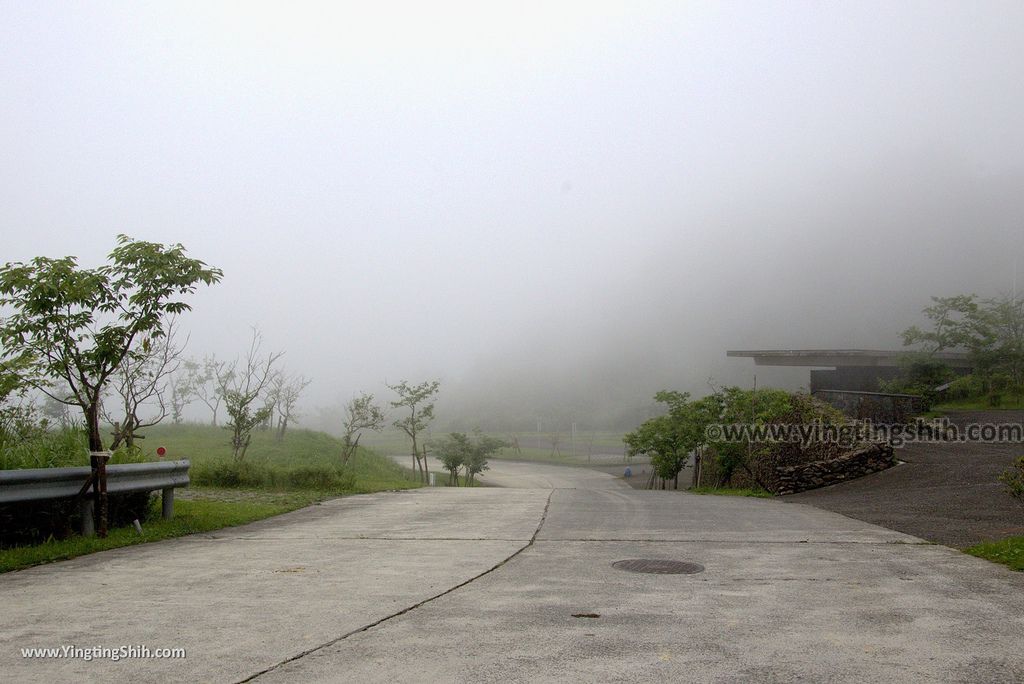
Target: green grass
pixel 203 511
pixel 276 477
pixel 1009 402
pixel 732 491
pixel 59 448
pixel 1009 552
pixel 304 460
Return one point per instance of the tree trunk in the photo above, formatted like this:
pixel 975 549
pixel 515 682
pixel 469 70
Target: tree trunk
pixel 98 464
pixel 92 421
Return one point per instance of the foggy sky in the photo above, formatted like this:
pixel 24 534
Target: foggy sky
pixel 583 203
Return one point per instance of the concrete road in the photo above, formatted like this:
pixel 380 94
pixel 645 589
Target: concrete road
pixel 526 475
pixel 482 585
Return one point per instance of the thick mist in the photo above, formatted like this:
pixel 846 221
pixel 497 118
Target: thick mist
pixel 557 212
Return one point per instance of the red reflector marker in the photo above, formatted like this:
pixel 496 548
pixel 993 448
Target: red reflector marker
pixel 161 451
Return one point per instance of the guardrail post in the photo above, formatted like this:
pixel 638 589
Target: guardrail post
pixel 85 508
pixel 167 499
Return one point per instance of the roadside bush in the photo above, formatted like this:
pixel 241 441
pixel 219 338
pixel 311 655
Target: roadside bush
pixel 1014 479
pixel 319 477
pixel 965 387
pixel 919 375
pixel 229 473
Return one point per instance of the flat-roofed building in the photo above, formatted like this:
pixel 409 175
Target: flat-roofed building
pixel 858 370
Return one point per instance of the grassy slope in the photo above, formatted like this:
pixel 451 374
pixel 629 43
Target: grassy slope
pixel 201 509
pixel 205 443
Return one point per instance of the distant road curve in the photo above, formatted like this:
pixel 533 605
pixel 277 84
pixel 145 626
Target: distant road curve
pixel 523 475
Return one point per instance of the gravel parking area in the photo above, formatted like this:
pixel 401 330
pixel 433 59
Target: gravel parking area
pixel 946 493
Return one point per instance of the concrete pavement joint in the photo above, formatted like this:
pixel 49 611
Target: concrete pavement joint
pixel 384 619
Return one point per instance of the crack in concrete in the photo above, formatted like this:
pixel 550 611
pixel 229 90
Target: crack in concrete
pixel 543 517
pixel 361 538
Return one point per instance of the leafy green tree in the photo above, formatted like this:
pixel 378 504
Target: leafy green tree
pixel 660 439
pixel 955 324
pixel 360 414
pixel 454 451
pixel 482 447
pixel 669 439
pixel 459 451
pixel 990 330
pixel 418 400
pixel 76 325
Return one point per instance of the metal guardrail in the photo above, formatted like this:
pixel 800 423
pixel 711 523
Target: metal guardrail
pixel 42 484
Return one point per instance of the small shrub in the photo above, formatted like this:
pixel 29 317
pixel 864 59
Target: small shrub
pixel 965 387
pixel 230 473
pixel 1014 479
pixel 320 477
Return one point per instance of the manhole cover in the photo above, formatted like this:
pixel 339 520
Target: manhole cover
pixel 658 567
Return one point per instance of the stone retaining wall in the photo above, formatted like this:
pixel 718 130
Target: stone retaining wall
pixel 878 407
pixel 861 461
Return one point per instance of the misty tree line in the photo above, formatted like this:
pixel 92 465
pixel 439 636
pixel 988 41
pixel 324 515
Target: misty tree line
pixel 158 382
pixel 105 340
pixel 991 331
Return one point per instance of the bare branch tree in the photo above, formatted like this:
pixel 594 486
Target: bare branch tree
pixel 183 392
pixel 241 384
pixel 141 380
pixel 360 414
pixel 202 381
pixel 286 390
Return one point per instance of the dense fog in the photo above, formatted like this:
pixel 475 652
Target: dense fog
pixel 556 211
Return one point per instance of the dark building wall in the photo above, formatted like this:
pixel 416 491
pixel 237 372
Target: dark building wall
pixel 854 378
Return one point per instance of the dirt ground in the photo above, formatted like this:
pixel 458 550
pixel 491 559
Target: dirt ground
pixel 947 493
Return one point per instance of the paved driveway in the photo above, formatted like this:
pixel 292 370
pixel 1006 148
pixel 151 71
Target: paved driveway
pixel 484 584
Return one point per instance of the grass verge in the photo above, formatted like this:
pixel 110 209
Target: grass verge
pixel 732 491
pixel 1009 403
pixel 1009 552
